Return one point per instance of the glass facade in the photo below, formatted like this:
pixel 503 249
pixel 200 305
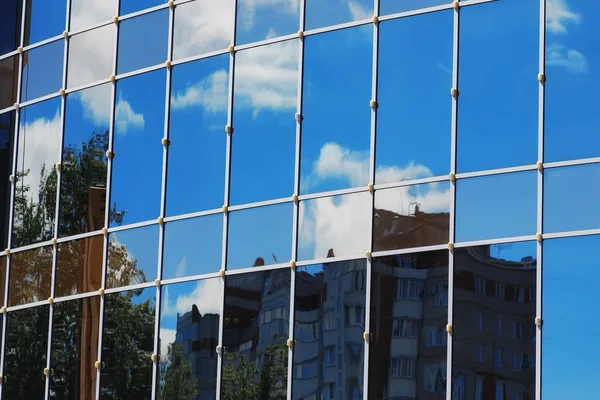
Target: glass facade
pixel 298 199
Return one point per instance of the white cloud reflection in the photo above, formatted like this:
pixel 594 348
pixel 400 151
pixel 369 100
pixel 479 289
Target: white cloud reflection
pixel 558 15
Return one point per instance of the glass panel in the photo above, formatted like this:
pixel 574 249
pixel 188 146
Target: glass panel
pixel 494 320
pixel 42 70
pixel 189 335
pixel 30 276
pixel 320 13
pixel 202 27
pixel 127 344
pixel 255 331
pixel 411 144
pixel 25 353
pixel 266 82
pixel 137 166
pixel 85 13
pixel 91 56
pixel 7 137
pixel 496 127
pixel 411 216
pixel 336 130
pixel 79 266
pixel 561 187
pixel 196 124
pixel 8 82
pixel 45 18
pixel 130 6
pixel 193 246
pixel 572 121
pixel 397 6
pixel 334 226
pixel 409 313
pixel 496 206
pixel 75 349
pixel 143 41
pixel 3 262
pixel 84 164
pixel 260 236
pixel 262 20
pixel 329 322
pixel 570 272
pixel 35 194
pixel 10 25
pixel 132 256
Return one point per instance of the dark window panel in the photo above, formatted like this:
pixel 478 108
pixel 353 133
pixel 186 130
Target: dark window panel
pixel 42 70
pixel 10 25
pixel 30 276
pixel 7 138
pixel 132 256
pixel 79 266
pixel 9 68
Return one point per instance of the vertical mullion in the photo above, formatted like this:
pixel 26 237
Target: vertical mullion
pixel 452 225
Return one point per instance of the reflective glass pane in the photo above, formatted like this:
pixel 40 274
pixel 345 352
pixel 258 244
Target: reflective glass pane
pixel 130 6
pixel 255 331
pixel 196 130
pixel 493 343
pixel 496 206
pixel 337 119
pixel 329 322
pixel 7 137
pixel 9 68
pixel 193 246
pixel 397 6
pixel 143 41
pixel 411 216
pixel 42 70
pixel 137 166
pixel 264 142
pixel 571 270
pixel 79 266
pixel 3 262
pixel 35 193
pixel 132 256
pixel 320 13
pixel 45 18
pixel 30 276
pixel 260 236
pixel 409 313
pixel 75 349
pixel 498 104
pixel 572 121
pixel 189 335
pixel 84 164
pixel 25 353
pixel 202 27
pixel 571 198
pixel 127 344
pixel 334 226
pixel 85 13
pixel 258 20
pixel 10 25
pixel 91 56
pixel 411 144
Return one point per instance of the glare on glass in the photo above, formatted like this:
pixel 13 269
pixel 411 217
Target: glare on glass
pixel 409 309
pixel 84 163
pixel 86 13
pixel 334 226
pixel 264 143
pixel 79 266
pixel 336 129
pixel 496 206
pixel 494 321
pixel 91 56
pixel 196 168
pixel 42 70
pixel 264 20
pixel 8 82
pixel 397 6
pixel 7 138
pixel 202 27
pixel 132 256
pixel 498 89
pixel 412 87
pixel 143 41
pixel 411 216
pixel 130 6
pixel 35 192
pixel 260 236
pixel 321 13
pixel 45 19
pixel 189 311
pixel 137 165
pixel 30 276
pixel 193 246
